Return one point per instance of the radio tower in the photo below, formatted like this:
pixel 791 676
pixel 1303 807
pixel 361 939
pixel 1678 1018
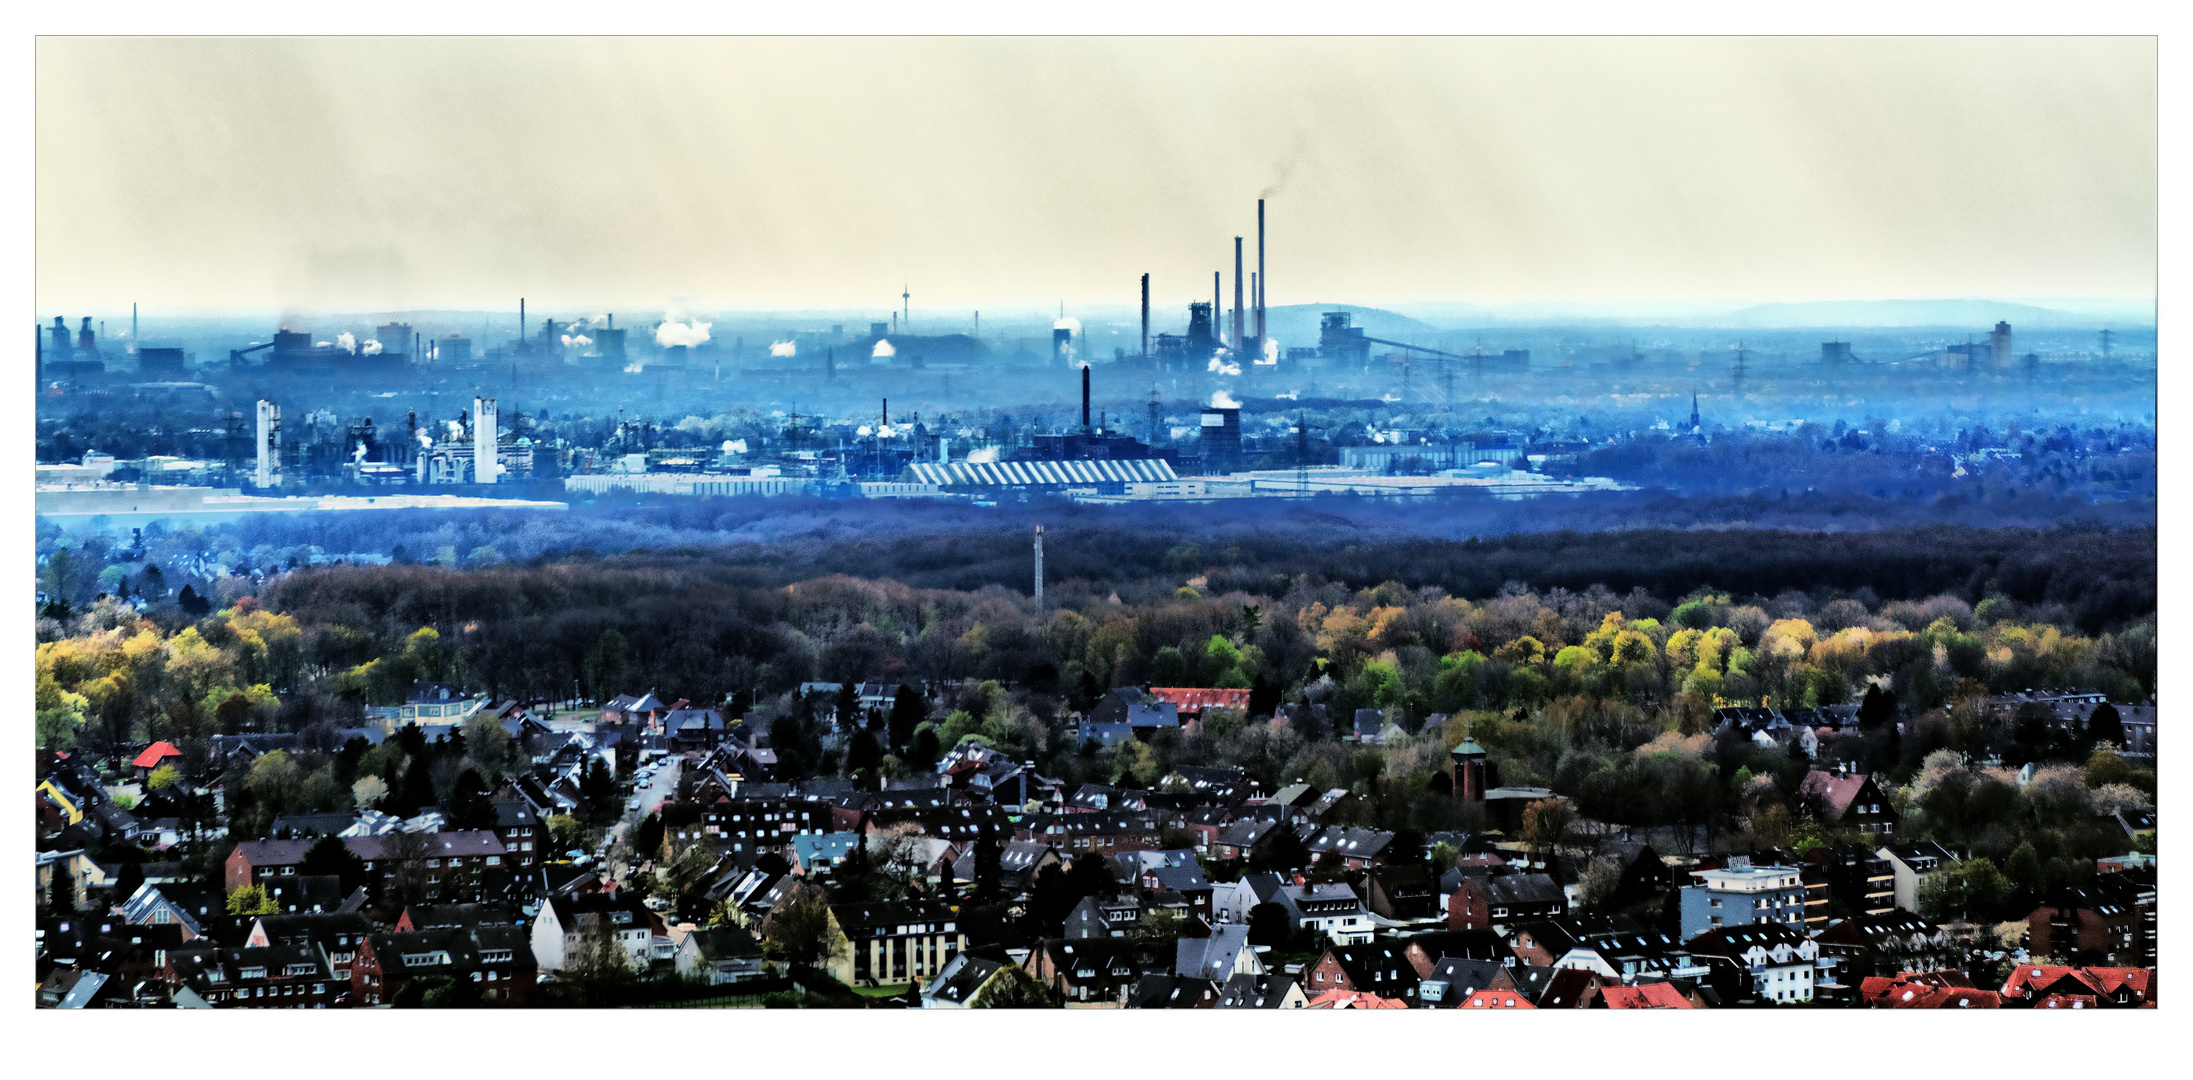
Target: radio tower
pixel 1039 564
pixel 906 304
pixel 1739 380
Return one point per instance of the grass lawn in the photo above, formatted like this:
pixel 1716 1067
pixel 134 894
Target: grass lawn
pixel 886 990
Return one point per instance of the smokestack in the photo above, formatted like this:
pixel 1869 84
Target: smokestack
pixel 1262 280
pixel 1238 329
pixel 485 469
pixel 1218 329
pixel 886 412
pixel 521 323
pixel 1145 315
pixel 1039 563
pixel 1084 399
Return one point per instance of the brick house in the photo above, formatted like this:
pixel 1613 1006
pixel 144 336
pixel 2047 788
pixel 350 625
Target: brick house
pixel 1497 901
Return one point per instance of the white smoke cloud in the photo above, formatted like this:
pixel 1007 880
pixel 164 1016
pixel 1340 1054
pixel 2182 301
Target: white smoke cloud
pixel 864 430
pixel 370 348
pixel 358 453
pixel 1224 400
pixel 1290 395
pixel 1067 322
pixel 426 440
pixel 679 327
pixel 1220 365
pixel 734 446
pixel 346 342
pixel 456 430
pixel 985 456
pixel 632 368
pixel 577 341
pixel 1271 352
pixel 784 348
pixel 883 348
pixel 886 431
pixel 598 320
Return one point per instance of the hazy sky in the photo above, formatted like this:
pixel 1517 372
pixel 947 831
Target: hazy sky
pixel 370 174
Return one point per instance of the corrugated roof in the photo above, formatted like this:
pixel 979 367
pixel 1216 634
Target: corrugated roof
pixel 1036 473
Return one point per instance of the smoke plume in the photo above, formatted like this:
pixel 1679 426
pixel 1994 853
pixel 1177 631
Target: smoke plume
pixel 346 342
pixel 679 327
pixel 784 348
pixel 883 349
pixel 1224 400
pixel 370 348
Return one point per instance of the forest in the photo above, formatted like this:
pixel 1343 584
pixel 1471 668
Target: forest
pixel 1591 665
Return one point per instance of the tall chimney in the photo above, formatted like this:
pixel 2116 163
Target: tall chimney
pixel 1145 315
pixel 1238 328
pixel 1218 326
pixel 1085 399
pixel 1263 280
pixel 1039 562
pixel 886 412
pixel 521 323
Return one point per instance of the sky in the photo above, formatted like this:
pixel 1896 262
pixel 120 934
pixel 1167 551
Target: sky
pixel 367 174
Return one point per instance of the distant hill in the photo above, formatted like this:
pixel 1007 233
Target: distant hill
pixel 1296 325
pixel 1924 313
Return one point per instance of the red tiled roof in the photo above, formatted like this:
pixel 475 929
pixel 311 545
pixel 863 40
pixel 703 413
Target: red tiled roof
pixel 154 754
pixel 1196 699
pixel 2065 1001
pixel 1658 995
pixel 1350 999
pixel 1498 999
pixel 1835 789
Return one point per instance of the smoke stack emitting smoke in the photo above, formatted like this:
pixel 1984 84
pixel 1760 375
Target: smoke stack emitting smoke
pixel 1224 400
pixel 1221 364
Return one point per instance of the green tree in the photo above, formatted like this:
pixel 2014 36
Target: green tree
pixel 330 856
pixel 604 668
pixel 490 747
pixel 908 710
pixel 251 900
pixel 1012 988
pixel 599 966
pixel 469 804
pixel 802 932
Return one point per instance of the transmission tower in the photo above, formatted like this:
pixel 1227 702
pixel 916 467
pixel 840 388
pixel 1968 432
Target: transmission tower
pixel 1739 378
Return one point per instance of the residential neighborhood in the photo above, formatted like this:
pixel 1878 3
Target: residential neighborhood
pixel 645 851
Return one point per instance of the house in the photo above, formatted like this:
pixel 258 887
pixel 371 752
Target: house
pixel 181 905
pixel 154 756
pixel 437 703
pixel 895 941
pixel 1910 864
pixel 2087 925
pixel 1780 960
pixel 1557 988
pixel 1376 967
pixel 820 853
pixel 1452 979
pixel 1101 917
pixel 1243 839
pixel 1333 910
pixel 336 935
pixel 1926 990
pixel 77 868
pixel 1232 902
pixel 1859 878
pixel 1090 973
pixel 1403 893
pixel 1651 995
pixel 964 978
pixel 1849 798
pixel 1183 880
pixel 1351 999
pixel 1262 992
pixel 560 928
pixel 1223 955
pixel 273 977
pixel 1866 945
pixel 494 961
pixel 645 710
pixel 522 833
pixel 1495 999
pixel 1644 875
pixel 1502 899
pixel 1162 991
pixel 1355 848
pixel 720 956
pixel 1742 893
pixel 2029 985
pixel 1192 702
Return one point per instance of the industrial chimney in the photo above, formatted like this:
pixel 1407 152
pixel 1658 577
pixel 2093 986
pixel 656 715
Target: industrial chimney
pixel 269 442
pixel 1263 277
pixel 1039 563
pixel 1085 399
pixel 1238 328
pixel 1145 315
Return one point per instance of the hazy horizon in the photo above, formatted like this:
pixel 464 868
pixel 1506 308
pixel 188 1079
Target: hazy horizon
pixel 1011 174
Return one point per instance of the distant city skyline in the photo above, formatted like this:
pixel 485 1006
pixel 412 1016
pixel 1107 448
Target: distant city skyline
pixel 210 175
